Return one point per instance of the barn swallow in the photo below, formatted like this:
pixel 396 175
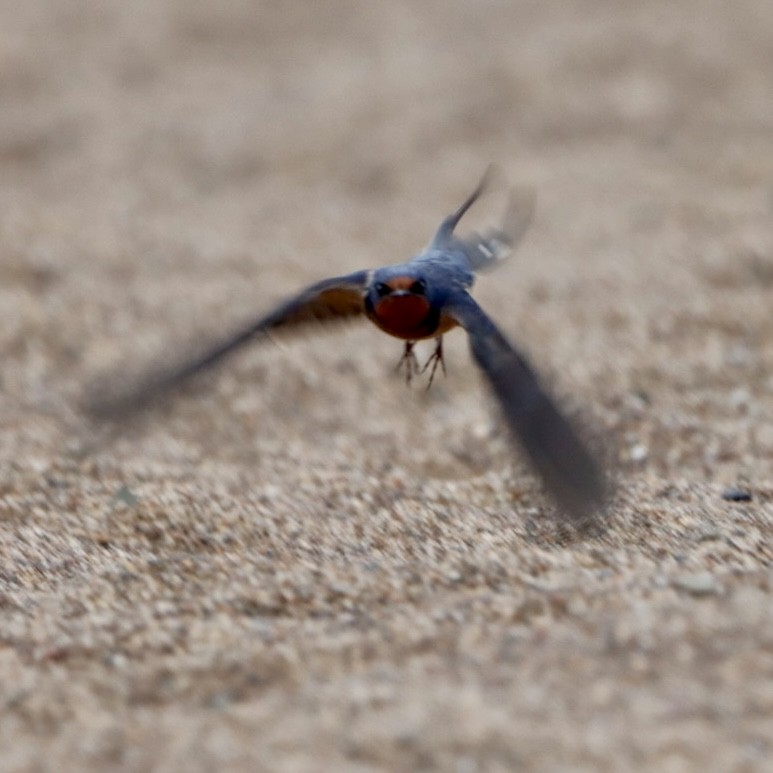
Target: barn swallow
pixel 425 298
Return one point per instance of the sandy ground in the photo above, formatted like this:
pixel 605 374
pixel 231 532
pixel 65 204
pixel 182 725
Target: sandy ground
pixel 299 564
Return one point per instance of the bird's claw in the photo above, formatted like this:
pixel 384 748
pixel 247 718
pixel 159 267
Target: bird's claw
pixel 410 362
pixel 435 359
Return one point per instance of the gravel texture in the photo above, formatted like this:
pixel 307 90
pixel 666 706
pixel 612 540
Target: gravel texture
pixel 300 565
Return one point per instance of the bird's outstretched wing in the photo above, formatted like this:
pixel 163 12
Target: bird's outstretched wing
pixel 487 250
pixel 330 300
pixel 568 469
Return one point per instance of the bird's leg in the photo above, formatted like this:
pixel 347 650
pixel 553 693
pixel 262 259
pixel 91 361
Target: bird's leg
pixel 409 360
pixel 436 358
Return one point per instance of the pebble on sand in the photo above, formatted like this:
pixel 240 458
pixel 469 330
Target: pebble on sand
pixel 734 494
pixel 700 584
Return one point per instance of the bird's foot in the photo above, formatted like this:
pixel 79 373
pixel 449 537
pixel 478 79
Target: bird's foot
pixel 436 358
pixel 410 362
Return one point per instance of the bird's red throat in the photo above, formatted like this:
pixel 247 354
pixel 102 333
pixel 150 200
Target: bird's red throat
pixel 403 316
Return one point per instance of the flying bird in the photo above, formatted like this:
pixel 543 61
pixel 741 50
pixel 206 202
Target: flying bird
pixel 425 298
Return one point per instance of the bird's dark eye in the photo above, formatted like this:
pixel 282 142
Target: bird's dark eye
pixel 382 289
pixel 419 287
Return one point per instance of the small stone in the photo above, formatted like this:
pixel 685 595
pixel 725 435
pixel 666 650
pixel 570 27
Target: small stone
pixel 739 355
pixel 639 453
pixel 734 494
pixel 740 398
pixel 221 700
pixel 701 584
pixel 125 496
pixel 708 532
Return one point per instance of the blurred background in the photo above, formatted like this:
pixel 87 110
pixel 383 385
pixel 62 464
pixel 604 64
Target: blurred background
pixel 302 564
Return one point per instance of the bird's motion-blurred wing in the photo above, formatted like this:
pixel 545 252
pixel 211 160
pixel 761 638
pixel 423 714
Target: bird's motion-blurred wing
pixel 330 300
pixel 487 250
pixel 569 471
